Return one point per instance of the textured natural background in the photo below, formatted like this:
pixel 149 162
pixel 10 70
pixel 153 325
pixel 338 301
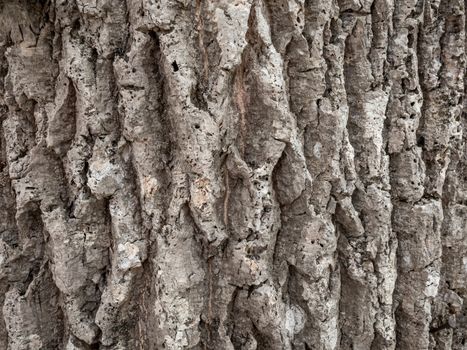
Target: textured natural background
pixel 233 174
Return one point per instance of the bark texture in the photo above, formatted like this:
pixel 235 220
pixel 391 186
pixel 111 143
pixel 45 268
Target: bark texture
pixel 233 174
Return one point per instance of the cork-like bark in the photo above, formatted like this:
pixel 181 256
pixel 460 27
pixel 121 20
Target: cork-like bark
pixel 233 174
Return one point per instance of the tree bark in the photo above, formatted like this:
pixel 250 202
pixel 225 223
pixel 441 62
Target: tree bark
pixel 233 174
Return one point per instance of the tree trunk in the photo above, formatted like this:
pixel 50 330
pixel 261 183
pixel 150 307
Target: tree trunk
pixel 233 174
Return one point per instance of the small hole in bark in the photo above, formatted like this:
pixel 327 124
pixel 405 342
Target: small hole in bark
pixel 175 66
pixel 196 126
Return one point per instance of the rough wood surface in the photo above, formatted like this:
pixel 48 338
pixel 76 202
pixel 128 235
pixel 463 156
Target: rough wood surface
pixel 233 174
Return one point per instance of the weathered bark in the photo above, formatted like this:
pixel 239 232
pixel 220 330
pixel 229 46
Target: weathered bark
pixel 233 174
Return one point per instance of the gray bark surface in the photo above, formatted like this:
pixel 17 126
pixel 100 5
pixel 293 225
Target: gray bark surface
pixel 233 174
